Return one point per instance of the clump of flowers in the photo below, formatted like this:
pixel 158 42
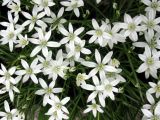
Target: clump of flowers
pixel 56 55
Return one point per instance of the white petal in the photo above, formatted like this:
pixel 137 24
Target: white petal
pixel 35 51
pixel 34 79
pixel 79 31
pixel 63 31
pixel 6 106
pixel 127 18
pixel 150 98
pixel 93 72
pixel 101 100
pixel 107 58
pixel 43 83
pixel 40 92
pixel 27 15
pixel 92 96
pixel 95 24
pixel 76 11
pixel 11 95
pixel 147 113
pixel 53 44
pixel 97 56
pixel 89 64
pixel 65 100
pixel 88 87
pixel 142 68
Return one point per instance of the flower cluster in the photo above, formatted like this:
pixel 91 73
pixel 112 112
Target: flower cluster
pixel 51 59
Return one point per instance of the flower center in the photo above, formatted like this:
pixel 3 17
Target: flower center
pixel 55 113
pixel 100 66
pixel 110 32
pixel 155 117
pixel 94 106
pixel 153 43
pixel 10 35
pixel 78 48
pixel 158 88
pixel 34 18
pixel 45 64
pixel 16 8
pixel 43 43
pixel 56 69
pixel 71 36
pixel 80 77
pixel 58 106
pixel 23 42
pixel 150 61
pixel 9 116
pixel 99 32
pixel 131 26
pixel 75 5
pixel 48 90
pixel 150 24
pixel 110 74
pixel 108 87
pixel 154 5
pixel 29 71
pixel 45 3
pixel 7 76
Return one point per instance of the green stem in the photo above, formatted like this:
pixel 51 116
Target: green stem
pixel 98 118
pixel 134 73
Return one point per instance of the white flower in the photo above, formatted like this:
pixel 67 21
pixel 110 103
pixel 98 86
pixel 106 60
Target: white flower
pixel 131 26
pixel 98 1
pixel 152 42
pixel 98 34
pixel 153 107
pixel 56 21
pixel 9 114
pixel 155 88
pixel 151 101
pixel 153 5
pixel 73 5
pixel 45 4
pixel 15 7
pixel 45 62
pixel 94 108
pixel 109 88
pixel 22 41
pixel 97 89
pixel 11 20
pixel 115 37
pixel 151 63
pixel 152 115
pixel 47 91
pixel 80 79
pixel 10 90
pixel 58 67
pixel 10 35
pixel 111 76
pixel 71 36
pixel 100 66
pixel 29 71
pixel 42 43
pixel 58 110
pixel 6 76
pixel 20 115
pixel 34 19
pixel 77 49
pixel 151 23
pixel 7 2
